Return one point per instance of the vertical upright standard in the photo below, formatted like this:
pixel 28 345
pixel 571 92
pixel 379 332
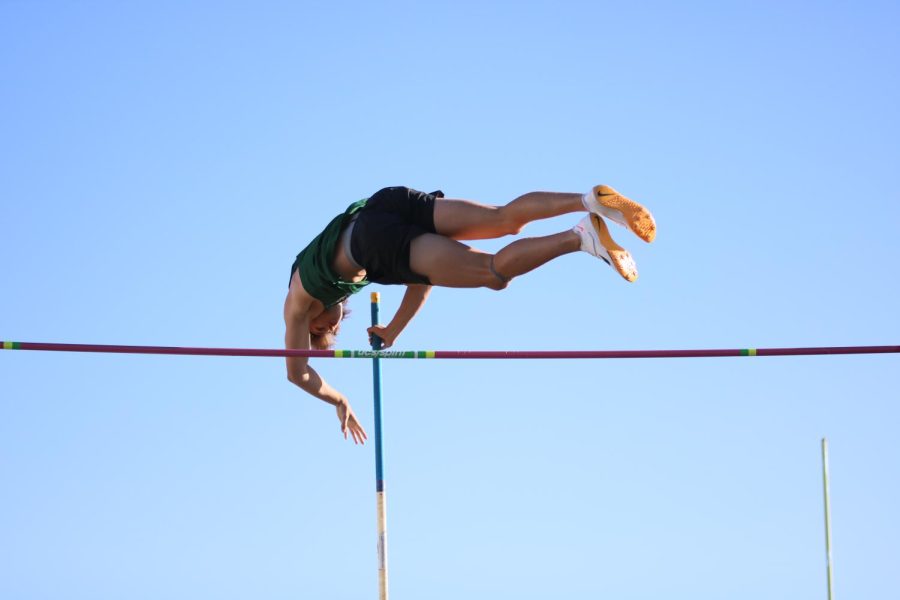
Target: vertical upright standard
pixel 827 518
pixel 379 462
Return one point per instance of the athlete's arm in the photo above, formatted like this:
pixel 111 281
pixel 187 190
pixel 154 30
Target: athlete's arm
pixel 413 301
pixel 302 375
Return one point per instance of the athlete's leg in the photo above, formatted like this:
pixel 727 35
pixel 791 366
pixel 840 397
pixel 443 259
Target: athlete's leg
pixel 449 263
pixel 467 220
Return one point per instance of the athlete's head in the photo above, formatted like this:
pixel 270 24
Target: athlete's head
pixel 323 328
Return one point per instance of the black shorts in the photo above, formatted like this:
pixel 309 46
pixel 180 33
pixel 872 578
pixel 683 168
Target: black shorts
pixel 385 228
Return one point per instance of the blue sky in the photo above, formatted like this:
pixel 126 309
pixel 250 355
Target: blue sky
pixel 162 163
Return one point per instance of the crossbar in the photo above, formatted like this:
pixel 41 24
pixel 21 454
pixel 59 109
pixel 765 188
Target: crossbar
pixel 456 354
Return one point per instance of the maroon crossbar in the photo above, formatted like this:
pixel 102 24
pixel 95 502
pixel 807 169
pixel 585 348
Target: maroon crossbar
pixel 457 354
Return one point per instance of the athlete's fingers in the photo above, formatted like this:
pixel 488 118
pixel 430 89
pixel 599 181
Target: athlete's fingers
pixel 360 433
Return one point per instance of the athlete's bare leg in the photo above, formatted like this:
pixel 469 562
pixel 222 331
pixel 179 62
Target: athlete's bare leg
pixel 468 220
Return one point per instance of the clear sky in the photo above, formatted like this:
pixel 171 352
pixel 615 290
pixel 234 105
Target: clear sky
pixel 161 163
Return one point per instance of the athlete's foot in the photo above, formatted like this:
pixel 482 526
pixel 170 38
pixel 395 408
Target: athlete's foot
pixel 596 240
pixel 607 202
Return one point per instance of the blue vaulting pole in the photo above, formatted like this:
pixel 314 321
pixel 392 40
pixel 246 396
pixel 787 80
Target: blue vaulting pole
pixel 379 462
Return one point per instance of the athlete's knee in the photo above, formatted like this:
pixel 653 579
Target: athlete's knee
pixel 509 221
pixel 498 284
pixel 494 279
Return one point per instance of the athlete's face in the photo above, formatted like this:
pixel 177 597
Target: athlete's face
pixel 328 321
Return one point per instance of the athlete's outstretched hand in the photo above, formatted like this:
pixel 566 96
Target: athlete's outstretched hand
pixel 386 335
pixel 350 424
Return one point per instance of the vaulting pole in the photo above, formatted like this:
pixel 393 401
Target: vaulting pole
pixel 825 486
pixel 381 499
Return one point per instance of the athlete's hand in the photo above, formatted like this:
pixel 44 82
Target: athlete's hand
pixel 350 424
pixel 386 335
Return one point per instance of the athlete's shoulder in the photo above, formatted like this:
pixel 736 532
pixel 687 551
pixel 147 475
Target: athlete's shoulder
pixel 299 301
